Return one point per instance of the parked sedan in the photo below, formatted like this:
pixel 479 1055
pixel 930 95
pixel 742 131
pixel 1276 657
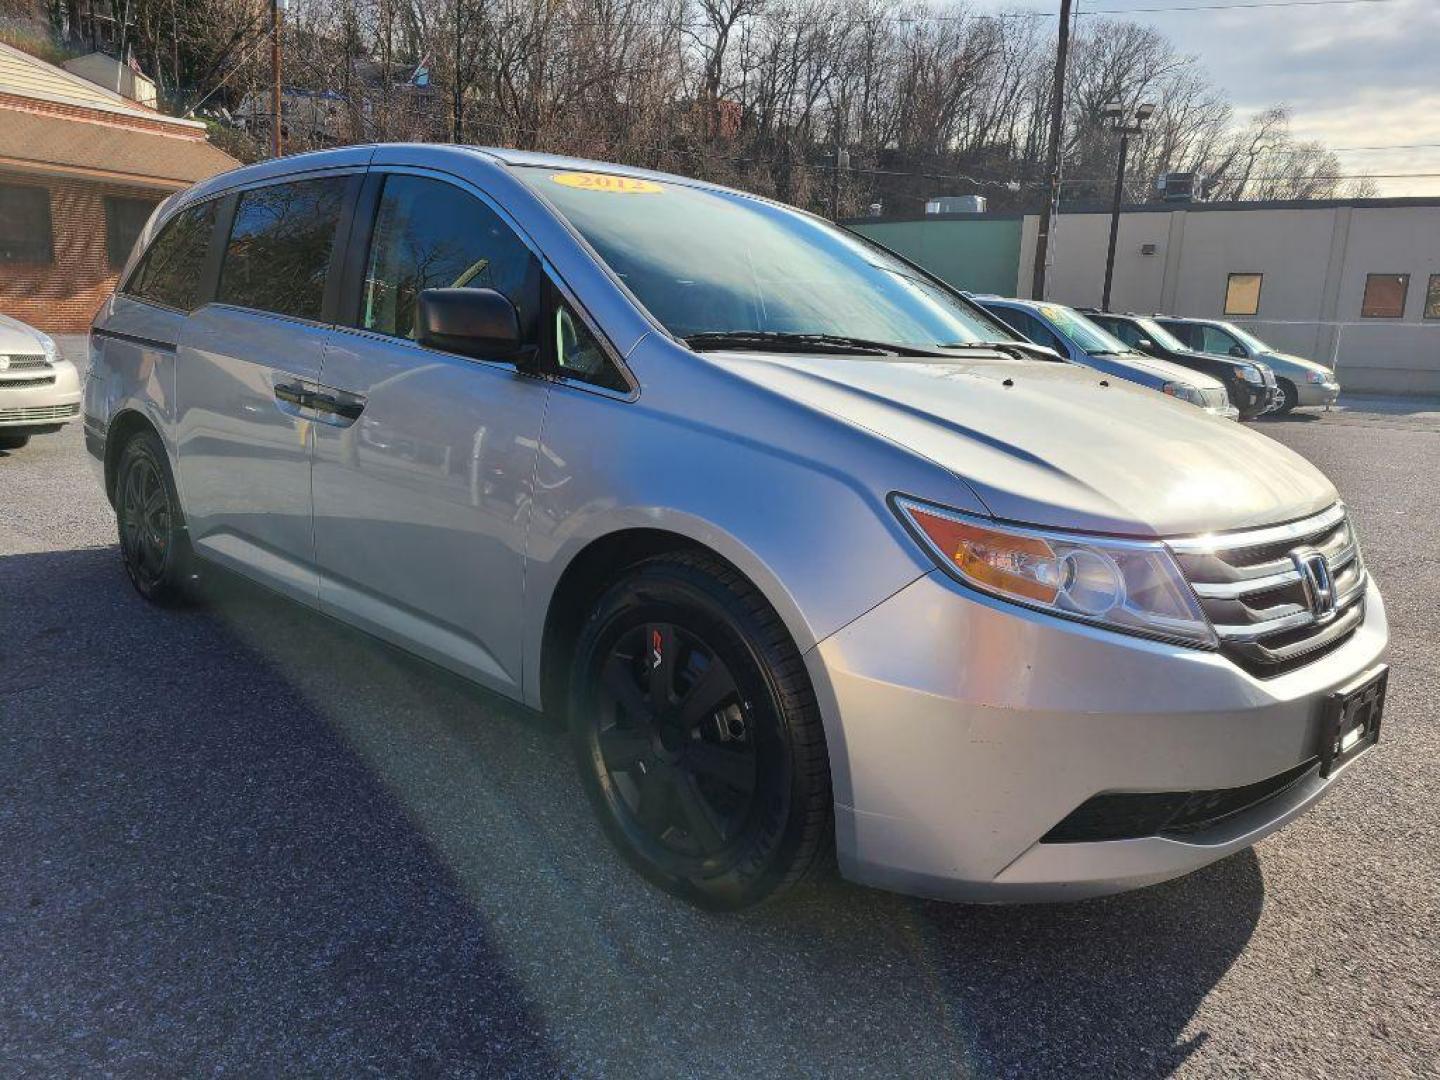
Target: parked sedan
pixel 39 390
pixel 1251 385
pixel 1082 342
pixel 1301 381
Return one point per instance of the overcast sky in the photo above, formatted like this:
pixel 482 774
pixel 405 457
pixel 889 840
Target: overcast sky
pixel 1354 74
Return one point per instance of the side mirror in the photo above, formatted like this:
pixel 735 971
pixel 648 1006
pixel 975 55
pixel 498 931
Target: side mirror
pixel 1239 351
pixel 1145 343
pixel 481 323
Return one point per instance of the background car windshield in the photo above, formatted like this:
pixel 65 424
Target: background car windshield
pixel 1082 331
pixel 1161 336
pixel 1249 339
pixel 704 261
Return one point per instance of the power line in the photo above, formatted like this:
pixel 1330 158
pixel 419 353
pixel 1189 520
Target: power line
pixel 1391 146
pixel 1230 5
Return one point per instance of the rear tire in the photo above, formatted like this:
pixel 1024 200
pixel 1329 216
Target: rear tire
pixel 154 542
pixel 697 734
pixel 1291 397
pixel 13 442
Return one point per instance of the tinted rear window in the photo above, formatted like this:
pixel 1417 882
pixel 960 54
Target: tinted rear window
pixel 279 250
pixel 169 272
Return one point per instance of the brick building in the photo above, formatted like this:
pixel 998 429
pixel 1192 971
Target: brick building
pixel 80 170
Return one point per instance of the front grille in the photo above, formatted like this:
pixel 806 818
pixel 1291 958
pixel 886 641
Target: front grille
pixel 40 412
pixel 26 384
pixel 1215 397
pixel 25 363
pixel 1271 617
pixel 1129 816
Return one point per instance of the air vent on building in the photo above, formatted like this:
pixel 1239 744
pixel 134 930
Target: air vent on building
pixel 1180 187
pixel 956 204
pixel 1148 249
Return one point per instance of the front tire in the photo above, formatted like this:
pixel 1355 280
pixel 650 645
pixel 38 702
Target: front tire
pixel 1290 397
pixel 697 734
pixel 154 543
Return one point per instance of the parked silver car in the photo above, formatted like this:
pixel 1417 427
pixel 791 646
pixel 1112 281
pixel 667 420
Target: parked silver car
pixel 1080 341
pixel 1301 381
pixel 39 389
pixel 803 560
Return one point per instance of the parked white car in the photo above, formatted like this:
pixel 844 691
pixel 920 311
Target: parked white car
pixel 39 390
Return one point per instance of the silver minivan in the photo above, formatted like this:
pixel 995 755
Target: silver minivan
pixel 806 563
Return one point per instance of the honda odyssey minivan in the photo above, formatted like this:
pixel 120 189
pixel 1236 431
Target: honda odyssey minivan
pixel 808 563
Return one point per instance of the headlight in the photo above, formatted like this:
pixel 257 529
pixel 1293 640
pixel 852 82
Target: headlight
pixel 1183 391
pixel 48 344
pixel 1319 376
pixel 1126 585
pixel 1250 373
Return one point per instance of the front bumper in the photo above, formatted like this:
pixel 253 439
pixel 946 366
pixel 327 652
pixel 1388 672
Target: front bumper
pixel 27 406
pixel 1227 412
pixel 1251 399
pixel 963 730
pixel 1326 393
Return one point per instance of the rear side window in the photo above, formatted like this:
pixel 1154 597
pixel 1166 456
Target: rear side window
pixel 1188 333
pixel 280 244
pixel 169 271
pixel 432 235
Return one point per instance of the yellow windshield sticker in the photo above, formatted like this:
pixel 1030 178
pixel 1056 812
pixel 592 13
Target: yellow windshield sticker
pixel 616 185
pixel 1051 312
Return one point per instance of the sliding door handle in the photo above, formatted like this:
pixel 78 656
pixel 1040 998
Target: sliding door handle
pixel 294 394
pixel 345 406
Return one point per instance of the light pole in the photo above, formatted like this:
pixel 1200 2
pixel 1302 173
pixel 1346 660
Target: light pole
pixel 1126 126
pixel 1052 157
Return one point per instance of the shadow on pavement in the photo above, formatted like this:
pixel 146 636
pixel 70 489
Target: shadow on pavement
pixel 246 838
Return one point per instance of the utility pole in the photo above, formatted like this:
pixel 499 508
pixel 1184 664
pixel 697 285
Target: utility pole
pixel 276 148
pixel 1052 164
pixel 842 161
pixel 459 102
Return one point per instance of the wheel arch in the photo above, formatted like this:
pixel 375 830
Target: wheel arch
pixel 125 425
pixel 599 562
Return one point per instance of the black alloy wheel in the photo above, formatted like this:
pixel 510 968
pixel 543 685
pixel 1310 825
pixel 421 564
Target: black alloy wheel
pixel 697 734
pixel 675 741
pixel 1291 397
pixel 153 543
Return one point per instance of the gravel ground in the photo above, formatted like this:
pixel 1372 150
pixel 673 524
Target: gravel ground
pixel 245 840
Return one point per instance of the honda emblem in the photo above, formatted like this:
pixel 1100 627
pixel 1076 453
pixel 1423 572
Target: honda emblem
pixel 1319 585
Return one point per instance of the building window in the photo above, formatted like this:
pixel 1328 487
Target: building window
pixel 1432 298
pixel 1242 294
pixel 25 224
pixel 124 220
pixel 1385 296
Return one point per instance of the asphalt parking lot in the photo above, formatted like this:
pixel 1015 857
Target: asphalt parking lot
pixel 243 840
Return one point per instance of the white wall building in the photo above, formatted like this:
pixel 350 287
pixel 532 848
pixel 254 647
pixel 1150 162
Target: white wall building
pixel 1354 284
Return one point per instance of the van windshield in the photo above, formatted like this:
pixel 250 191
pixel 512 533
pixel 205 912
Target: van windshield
pixel 708 262
pixel 1083 332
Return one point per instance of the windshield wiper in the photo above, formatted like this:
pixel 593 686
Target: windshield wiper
pixel 1021 350
pixel 780 341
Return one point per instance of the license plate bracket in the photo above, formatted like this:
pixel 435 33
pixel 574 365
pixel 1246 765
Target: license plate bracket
pixel 1350 721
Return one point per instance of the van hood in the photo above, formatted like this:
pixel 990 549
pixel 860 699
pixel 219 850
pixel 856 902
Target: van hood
pixel 1164 369
pixel 17 337
pixel 1293 360
pixel 1054 445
